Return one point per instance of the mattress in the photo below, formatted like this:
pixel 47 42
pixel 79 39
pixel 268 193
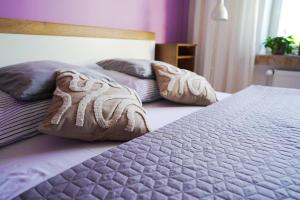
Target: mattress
pixel 245 147
pixel 32 161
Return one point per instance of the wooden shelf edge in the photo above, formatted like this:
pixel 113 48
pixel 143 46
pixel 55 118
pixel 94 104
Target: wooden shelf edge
pixel 186 45
pixel 185 57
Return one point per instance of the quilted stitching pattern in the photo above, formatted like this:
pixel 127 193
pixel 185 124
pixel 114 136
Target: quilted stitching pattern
pixel 246 147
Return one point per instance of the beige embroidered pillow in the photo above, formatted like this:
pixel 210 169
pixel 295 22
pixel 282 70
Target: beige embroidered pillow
pixel 89 109
pixel 183 86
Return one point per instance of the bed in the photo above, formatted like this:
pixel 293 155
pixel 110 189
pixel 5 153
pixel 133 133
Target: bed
pixel 243 147
pixel 26 163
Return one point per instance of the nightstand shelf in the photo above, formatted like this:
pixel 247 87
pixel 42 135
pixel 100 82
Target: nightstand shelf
pixel 180 54
pixel 185 57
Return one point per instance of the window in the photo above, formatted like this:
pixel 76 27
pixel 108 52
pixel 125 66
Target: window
pixel 289 19
pixel 278 18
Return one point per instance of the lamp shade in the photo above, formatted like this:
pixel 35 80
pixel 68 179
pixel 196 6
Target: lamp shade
pixel 220 12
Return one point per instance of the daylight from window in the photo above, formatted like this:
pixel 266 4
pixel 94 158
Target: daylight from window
pixel 289 23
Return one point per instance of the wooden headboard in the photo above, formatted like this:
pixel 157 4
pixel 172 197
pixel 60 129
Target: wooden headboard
pixel 24 40
pixel 46 28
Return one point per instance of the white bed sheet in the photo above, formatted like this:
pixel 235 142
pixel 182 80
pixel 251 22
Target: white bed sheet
pixel 30 162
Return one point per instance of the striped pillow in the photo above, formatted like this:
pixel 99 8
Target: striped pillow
pixel 19 120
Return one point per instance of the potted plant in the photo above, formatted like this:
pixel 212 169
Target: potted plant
pixel 280 45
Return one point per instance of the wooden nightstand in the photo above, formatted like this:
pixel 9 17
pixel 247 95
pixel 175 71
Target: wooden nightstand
pixel 180 55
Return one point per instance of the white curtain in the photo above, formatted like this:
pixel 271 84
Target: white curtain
pixel 226 50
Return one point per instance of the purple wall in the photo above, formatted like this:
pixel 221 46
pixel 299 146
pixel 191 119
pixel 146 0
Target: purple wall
pixel 167 18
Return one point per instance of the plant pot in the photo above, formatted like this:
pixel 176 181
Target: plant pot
pixel 279 49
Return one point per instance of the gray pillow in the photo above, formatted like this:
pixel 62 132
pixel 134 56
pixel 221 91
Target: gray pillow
pixel 136 67
pixel 147 89
pixel 32 81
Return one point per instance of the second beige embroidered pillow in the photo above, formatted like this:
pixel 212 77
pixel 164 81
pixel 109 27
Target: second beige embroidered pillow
pixel 89 109
pixel 183 86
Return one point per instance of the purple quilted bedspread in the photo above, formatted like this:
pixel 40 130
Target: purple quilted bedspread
pixel 245 147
